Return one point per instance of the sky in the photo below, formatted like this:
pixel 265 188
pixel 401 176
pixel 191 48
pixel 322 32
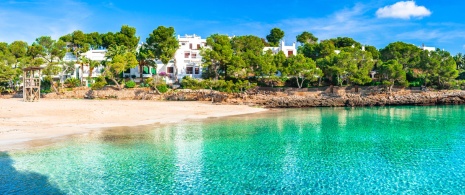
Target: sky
pixel 371 22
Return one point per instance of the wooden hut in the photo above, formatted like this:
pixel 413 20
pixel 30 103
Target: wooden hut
pixel 31 84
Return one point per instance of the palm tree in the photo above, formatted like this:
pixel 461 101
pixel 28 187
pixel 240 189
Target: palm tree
pixel 92 65
pixel 144 59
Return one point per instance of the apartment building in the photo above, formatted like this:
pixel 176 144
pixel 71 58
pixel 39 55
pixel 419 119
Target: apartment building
pixel 187 57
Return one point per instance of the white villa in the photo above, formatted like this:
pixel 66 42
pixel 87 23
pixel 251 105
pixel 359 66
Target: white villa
pixel 94 55
pixel 188 61
pixel 187 57
pixel 423 47
pixel 288 50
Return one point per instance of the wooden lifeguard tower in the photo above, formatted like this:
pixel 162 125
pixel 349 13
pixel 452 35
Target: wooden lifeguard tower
pixel 31 84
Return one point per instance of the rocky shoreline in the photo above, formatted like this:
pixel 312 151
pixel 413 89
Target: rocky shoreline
pixel 344 97
pixel 357 100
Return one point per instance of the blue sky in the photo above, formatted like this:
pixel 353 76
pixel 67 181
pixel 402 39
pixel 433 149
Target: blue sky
pixel 435 23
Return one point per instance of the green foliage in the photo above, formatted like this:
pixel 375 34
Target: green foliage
pixel 162 88
pixel 46 85
pixel 342 42
pixel 302 68
pixel 162 43
pixel 216 58
pixel 191 83
pixel 130 84
pixel 99 83
pixel 73 82
pixel 275 36
pixel 392 72
pixel 306 37
pixel 406 54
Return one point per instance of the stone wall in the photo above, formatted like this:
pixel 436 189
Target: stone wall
pixel 284 98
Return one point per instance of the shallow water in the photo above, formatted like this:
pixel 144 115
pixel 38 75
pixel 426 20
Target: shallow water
pixel 409 150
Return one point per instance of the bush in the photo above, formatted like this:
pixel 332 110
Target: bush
pixel 148 82
pixel 190 83
pixel 130 84
pixel 162 88
pixel 73 82
pixel 100 82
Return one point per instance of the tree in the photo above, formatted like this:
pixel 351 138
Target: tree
pixel 218 56
pixel 268 68
pixel 442 67
pixel 460 61
pixel 341 42
pixel 94 39
pixel 250 50
pixel 306 37
pixel 279 60
pixel 358 72
pixel 406 54
pixel 144 58
pixel 79 44
pixel 7 72
pixel 119 60
pixel 127 37
pixel 302 68
pixel 338 66
pixel 392 72
pixel 53 53
pixel 108 39
pixel 275 36
pixel 162 44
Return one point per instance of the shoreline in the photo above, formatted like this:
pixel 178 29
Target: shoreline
pixel 26 122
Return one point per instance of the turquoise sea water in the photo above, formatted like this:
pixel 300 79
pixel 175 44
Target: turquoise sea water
pixel 380 150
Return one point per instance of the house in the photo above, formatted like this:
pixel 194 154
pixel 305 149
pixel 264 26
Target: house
pixel 84 72
pixel 187 57
pixel 288 50
pixel 423 47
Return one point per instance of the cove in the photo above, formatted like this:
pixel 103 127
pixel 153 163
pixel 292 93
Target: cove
pixel 386 150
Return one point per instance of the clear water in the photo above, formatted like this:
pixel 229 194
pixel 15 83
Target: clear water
pixel 385 150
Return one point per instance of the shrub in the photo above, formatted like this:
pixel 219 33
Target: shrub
pixel 130 84
pixel 148 82
pixel 162 88
pixel 73 82
pixel 190 83
pixel 100 82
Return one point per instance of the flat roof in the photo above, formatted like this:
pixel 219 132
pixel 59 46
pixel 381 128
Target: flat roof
pixel 32 68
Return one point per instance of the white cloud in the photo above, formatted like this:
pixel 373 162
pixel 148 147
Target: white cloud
pixel 403 10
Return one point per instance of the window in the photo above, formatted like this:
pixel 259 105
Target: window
pixel 183 43
pixel 190 46
pixel 169 70
pixel 197 70
pixel 186 55
pixel 198 46
pixel 189 70
pixel 194 55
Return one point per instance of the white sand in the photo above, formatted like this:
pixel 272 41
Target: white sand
pixel 22 122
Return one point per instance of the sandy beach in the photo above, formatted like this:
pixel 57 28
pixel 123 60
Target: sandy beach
pixel 22 122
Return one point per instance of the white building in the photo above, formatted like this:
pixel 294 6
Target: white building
pixel 84 72
pixel 288 50
pixel 187 57
pixel 423 47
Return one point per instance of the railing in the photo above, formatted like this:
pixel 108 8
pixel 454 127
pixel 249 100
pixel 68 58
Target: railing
pixel 32 82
